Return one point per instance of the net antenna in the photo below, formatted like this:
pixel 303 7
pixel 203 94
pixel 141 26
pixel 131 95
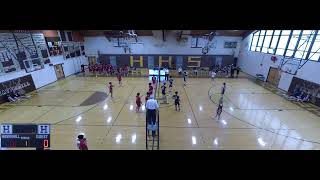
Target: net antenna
pixel 291 65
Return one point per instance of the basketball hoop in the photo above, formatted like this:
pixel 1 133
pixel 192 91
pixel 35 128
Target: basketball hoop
pixel 289 65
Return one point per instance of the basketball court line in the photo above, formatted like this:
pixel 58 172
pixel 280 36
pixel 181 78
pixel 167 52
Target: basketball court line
pixel 244 93
pixel 40 91
pixel 43 114
pixel 38 105
pixel 231 102
pixel 195 118
pixel 269 87
pixel 180 127
pixel 124 104
pixel 54 106
pixel 257 127
pixel 271 109
pixel 78 114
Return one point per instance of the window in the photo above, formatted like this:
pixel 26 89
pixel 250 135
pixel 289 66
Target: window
pixel 269 32
pixel 196 42
pixel 254 42
pixel 266 44
pixel 293 42
pixel 69 36
pixel 315 50
pixel 314 56
pixel 303 44
pixel 277 32
pixel 280 51
pixel 286 32
pixel 282 43
pixel 274 41
pixel 289 53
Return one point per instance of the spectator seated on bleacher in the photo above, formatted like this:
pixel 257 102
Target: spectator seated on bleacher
pixel 299 96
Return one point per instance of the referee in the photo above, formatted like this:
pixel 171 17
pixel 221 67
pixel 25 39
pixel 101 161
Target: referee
pixel 151 106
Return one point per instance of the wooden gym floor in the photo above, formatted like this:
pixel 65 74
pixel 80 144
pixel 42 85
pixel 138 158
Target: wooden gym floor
pixel 253 117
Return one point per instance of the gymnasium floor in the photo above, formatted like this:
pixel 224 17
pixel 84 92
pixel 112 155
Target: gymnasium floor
pixel 253 117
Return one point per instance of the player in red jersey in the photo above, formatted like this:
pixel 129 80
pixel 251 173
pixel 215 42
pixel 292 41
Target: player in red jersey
pixel 147 97
pixel 119 78
pixel 138 102
pixel 110 89
pixel 82 142
pixel 150 89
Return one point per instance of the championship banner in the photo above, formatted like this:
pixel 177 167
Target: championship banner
pixel 24 83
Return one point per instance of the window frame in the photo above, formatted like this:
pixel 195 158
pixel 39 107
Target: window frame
pixel 307 49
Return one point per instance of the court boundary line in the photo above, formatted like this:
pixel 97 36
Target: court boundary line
pixel 162 126
pixel 195 118
pixel 123 105
pixel 52 108
pixel 257 127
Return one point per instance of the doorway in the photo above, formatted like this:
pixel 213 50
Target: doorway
pixel 274 76
pixel 59 71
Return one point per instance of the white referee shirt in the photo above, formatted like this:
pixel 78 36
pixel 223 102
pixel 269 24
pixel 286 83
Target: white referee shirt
pixel 152 104
pixel 213 74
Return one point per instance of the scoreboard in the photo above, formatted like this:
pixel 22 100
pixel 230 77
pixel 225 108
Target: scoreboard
pixel 25 136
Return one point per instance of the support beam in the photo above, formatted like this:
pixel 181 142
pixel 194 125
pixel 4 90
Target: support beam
pixel 163 35
pixel 312 42
pixel 288 42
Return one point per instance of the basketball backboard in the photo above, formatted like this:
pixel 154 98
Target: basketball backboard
pixel 289 65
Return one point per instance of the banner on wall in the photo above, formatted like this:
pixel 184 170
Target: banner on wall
pixel 24 83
